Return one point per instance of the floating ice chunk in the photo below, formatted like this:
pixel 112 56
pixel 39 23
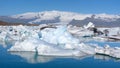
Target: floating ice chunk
pixel 50 43
pixel 45 48
pixel 99 50
pixel 107 50
pixel 89 25
pixel 26 45
pixel 100 38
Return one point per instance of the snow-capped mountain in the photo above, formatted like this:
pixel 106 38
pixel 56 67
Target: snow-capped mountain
pixel 51 15
pixel 60 16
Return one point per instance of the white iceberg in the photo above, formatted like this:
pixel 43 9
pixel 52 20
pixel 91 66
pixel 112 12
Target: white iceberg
pixel 44 48
pixel 89 25
pixel 55 42
pixel 110 51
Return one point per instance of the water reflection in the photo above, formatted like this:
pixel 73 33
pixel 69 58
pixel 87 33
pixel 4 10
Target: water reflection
pixel 32 57
pixel 6 44
pixel 105 58
pixel 102 57
pixel 2 43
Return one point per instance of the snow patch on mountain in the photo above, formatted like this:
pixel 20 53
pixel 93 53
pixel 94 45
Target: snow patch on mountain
pixel 59 16
pixel 51 15
pixel 107 17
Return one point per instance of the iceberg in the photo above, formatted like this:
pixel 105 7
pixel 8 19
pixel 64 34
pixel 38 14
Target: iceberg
pixel 89 25
pixel 107 50
pixel 44 48
pixel 54 42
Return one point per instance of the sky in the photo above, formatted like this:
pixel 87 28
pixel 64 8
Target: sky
pixel 12 7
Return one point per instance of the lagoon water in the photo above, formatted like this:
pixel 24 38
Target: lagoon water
pixel 32 60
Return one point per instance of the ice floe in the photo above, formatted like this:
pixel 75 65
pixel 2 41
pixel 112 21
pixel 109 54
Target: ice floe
pixel 59 40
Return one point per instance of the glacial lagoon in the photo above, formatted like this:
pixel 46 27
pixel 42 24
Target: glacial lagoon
pixel 32 60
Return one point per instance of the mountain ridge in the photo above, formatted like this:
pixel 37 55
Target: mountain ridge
pixel 46 17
